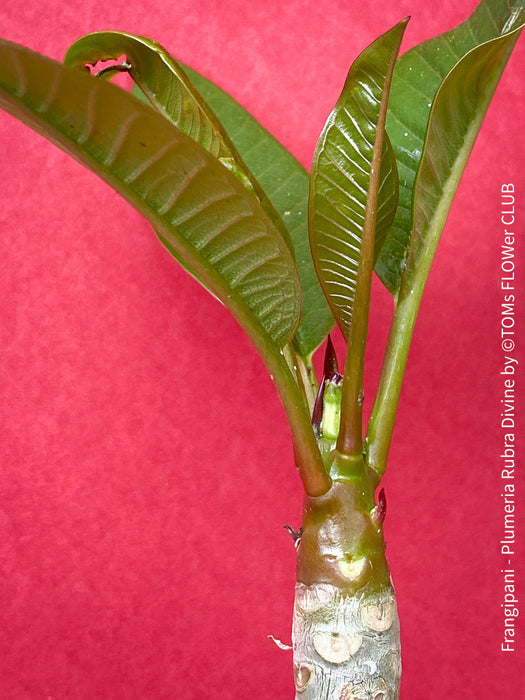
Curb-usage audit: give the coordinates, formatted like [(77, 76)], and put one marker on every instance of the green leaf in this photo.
[(455, 119), (167, 87), (417, 77), (353, 192), (200, 209), (286, 183), (220, 124)]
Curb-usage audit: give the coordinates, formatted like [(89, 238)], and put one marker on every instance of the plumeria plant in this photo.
[(292, 256)]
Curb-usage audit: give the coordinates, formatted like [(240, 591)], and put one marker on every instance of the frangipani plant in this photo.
[(212, 214)]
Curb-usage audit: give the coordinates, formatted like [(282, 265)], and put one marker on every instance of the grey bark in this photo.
[(346, 647)]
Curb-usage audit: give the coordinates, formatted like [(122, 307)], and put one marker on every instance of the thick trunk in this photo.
[(345, 626), (345, 647)]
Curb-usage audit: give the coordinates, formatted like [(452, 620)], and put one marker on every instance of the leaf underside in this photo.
[(202, 211), (167, 87), (216, 121), (417, 77), (286, 183)]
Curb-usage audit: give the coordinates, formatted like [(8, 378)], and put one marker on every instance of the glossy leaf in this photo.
[(220, 124), (417, 77), (353, 193), (200, 209)]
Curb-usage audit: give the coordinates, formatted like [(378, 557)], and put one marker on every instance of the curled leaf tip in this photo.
[(123, 67)]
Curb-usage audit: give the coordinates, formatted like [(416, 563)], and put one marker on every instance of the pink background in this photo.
[(146, 470)]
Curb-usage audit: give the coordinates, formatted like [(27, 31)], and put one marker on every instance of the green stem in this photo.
[(381, 424), (425, 238), (382, 419)]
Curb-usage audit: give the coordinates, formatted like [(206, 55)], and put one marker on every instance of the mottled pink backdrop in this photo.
[(146, 470)]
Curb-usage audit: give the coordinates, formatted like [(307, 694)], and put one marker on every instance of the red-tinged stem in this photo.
[(308, 461), (350, 440)]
